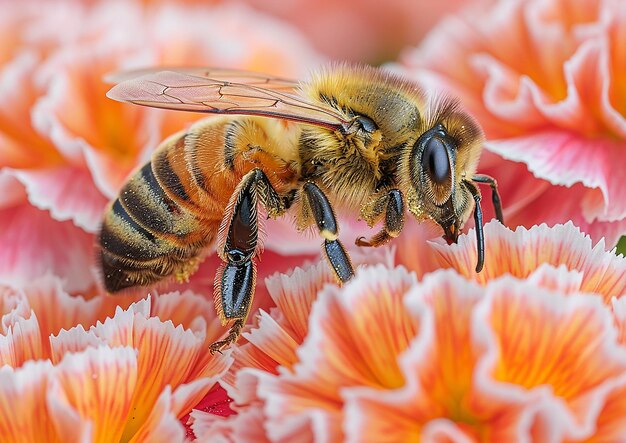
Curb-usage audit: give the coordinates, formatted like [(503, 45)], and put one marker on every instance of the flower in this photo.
[(362, 31), (531, 350), (544, 78), (349, 30), (76, 369)]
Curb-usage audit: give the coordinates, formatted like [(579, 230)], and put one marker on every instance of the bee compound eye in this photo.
[(435, 160)]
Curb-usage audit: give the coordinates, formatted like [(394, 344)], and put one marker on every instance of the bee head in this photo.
[(443, 156)]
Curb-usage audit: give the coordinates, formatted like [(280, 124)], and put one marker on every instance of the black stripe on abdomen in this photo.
[(146, 202)]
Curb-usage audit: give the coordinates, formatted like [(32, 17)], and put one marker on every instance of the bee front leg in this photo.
[(392, 205), (478, 225), (495, 195), (236, 278), (316, 203)]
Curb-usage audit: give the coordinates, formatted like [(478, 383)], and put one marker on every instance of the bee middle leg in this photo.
[(235, 279), (391, 205), (316, 204)]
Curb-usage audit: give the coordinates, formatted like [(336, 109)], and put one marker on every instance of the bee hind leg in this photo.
[(236, 277), (234, 287), (316, 203), (391, 205)]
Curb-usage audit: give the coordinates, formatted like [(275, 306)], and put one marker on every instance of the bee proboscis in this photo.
[(357, 137)]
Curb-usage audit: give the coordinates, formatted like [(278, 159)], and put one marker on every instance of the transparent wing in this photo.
[(212, 74), (224, 92)]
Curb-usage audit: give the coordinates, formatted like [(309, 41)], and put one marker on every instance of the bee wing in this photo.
[(213, 74), (224, 92)]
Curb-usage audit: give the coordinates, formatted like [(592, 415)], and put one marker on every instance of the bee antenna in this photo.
[(478, 222)]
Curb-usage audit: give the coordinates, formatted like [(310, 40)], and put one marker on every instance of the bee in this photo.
[(353, 137)]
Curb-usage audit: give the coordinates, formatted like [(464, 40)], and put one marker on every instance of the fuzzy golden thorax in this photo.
[(355, 162), (384, 145)]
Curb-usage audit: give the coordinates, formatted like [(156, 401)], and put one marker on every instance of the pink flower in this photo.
[(349, 30), (362, 30), (535, 355), (65, 149), (545, 80), (75, 369)]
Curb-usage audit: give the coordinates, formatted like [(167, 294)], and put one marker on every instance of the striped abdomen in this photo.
[(170, 210)]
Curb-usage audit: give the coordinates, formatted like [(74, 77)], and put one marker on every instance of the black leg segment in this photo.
[(495, 195), (237, 288), (317, 203), (339, 260), (322, 211), (478, 222)]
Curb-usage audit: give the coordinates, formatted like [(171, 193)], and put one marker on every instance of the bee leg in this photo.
[(478, 222), (235, 279), (392, 205), (317, 203), (495, 195)]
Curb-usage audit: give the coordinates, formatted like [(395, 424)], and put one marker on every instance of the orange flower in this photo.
[(529, 356), (103, 376), (545, 80)]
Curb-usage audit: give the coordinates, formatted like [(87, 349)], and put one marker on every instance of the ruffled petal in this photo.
[(98, 384), (364, 327), (34, 245), (574, 352), (522, 251), (23, 414), (67, 192)]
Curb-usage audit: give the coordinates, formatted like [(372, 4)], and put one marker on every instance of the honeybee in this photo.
[(355, 137)]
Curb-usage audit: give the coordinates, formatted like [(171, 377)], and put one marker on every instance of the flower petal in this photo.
[(543, 338), (364, 328), (565, 158), (438, 368), (246, 426), (522, 251), (67, 192), (161, 425), (34, 245), (21, 342), (23, 414), (99, 384)]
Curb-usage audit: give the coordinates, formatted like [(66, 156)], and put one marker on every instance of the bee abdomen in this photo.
[(146, 236), (148, 204), (120, 273)]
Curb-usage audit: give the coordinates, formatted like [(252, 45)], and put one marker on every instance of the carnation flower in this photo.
[(83, 370), (533, 355), (545, 80)]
